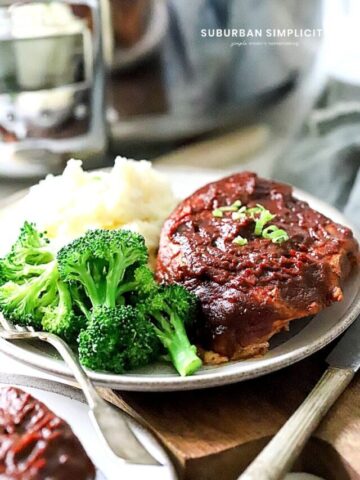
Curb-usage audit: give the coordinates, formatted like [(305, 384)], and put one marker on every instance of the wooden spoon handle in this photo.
[(278, 456)]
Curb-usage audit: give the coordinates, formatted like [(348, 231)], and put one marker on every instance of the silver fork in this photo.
[(111, 425)]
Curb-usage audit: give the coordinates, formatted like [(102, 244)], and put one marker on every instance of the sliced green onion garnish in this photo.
[(254, 210), (269, 230), (275, 234), (261, 217), (264, 217), (231, 208), (239, 240), (240, 214), (280, 236), (217, 213)]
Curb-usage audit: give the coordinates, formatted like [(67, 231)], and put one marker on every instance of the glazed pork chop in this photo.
[(35, 444), (251, 287)]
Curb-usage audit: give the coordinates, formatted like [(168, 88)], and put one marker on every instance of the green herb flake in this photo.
[(261, 216), (231, 208), (253, 211), (241, 241), (240, 214), (275, 234), (217, 213)]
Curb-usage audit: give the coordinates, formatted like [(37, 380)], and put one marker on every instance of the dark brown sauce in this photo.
[(35, 444)]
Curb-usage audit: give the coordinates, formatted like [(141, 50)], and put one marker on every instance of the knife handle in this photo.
[(278, 456)]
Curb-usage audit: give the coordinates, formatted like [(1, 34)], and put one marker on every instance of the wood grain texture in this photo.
[(278, 456), (214, 434)]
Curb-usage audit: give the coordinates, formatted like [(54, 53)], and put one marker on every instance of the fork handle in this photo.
[(278, 456), (91, 395), (111, 424)]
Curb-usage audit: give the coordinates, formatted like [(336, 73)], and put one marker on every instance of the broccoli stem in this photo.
[(175, 340), (186, 360), (65, 302), (91, 289), (46, 282), (52, 286), (114, 277), (59, 310), (76, 297)]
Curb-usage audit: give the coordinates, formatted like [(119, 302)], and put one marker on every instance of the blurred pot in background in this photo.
[(169, 82), (130, 19), (192, 82)]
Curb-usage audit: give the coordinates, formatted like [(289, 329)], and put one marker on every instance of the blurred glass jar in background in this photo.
[(51, 86)]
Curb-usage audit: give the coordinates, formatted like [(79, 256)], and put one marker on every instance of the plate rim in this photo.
[(157, 383)]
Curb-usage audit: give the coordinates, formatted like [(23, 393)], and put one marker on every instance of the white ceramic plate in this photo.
[(305, 336)]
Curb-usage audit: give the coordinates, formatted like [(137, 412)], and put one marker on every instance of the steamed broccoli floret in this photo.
[(101, 261), (32, 246), (23, 302), (171, 308), (118, 339), (59, 317), (141, 284), (84, 294), (31, 292), (27, 256)]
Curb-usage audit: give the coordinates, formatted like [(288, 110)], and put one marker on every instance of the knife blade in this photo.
[(346, 354)]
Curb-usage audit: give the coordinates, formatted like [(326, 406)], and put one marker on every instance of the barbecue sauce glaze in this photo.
[(35, 444), (247, 293)]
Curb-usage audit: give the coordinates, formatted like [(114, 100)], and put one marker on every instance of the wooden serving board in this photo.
[(214, 434)]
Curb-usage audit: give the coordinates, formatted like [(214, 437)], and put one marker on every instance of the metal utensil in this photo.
[(278, 456), (111, 425)]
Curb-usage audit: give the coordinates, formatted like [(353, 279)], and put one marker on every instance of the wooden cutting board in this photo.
[(214, 434)]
